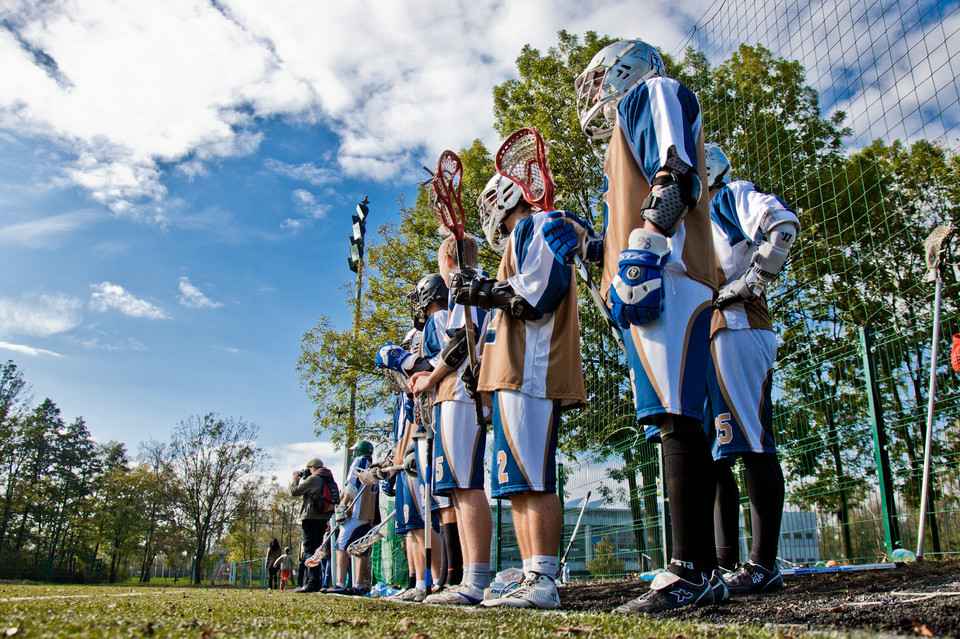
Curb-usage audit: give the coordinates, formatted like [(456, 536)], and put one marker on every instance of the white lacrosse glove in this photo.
[(368, 477), (340, 514)]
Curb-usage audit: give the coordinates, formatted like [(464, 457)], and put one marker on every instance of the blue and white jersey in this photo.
[(451, 387), (539, 358), (360, 509), (738, 215), (434, 337), (656, 116)]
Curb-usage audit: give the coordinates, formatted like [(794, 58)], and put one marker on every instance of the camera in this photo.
[(303, 473)]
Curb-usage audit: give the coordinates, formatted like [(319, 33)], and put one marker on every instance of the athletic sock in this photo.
[(764, 478), (477, 575), (726, 516), (527, 565), (421, 584), (451, 542), (411, 580), (441, 578), (691, 487), (545, 565)]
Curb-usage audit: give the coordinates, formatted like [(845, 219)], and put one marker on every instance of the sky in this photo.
[(177, 180)]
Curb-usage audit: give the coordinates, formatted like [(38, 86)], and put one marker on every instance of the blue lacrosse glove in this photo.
[(636, 293), (393, 357), (566, 233)]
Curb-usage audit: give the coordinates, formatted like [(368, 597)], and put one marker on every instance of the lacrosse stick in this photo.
[(937, 247), (449, 210), (366, 542), (573, 536), (322, 552), (425, 422), (523, 159)]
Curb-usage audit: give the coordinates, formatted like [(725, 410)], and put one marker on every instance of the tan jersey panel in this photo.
[(504, 359), (627, 189)]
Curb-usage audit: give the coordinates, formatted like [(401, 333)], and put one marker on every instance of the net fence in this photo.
[(849, 111)]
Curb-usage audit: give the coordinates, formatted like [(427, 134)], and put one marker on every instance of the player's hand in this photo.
[(340, 514), (393, 357), (636, 293), (747, 287), (566, 234), (469, 288), (367, 477), (410, 459), (420, 382), (470, 377)]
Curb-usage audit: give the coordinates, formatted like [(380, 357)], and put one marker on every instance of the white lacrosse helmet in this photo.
[(496, 202), (615, 70), (718, 166)]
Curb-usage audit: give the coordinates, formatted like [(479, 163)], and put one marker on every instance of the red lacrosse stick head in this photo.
[(446, 187), (523, 159)]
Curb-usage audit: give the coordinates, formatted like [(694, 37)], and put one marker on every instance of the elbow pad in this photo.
[(680, 191), (772, 254), (455, 351)]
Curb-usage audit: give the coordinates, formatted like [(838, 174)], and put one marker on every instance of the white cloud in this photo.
[(192, 297), (107, 296), (129, 89), (39, 314), (27, 350), (49, 231)]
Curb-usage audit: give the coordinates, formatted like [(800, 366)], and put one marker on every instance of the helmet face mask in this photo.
[(718, 166), (496, 202), (613, 72)]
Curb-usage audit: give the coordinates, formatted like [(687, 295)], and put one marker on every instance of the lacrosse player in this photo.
[(533, 368), (659, 280), (430, 299), (358, 511), (752, 234), (461, 442)]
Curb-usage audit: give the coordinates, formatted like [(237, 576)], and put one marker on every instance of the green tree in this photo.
[(605, 562), (210, 458)]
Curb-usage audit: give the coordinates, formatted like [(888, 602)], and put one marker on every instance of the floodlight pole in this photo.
[(355, 262)]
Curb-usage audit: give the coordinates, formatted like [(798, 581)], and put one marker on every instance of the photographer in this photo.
[(315, 512)]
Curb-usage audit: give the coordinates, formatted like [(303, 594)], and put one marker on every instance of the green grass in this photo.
[(124, 611)]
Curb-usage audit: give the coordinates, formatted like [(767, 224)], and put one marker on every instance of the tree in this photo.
[(210, 458), (605, 562)]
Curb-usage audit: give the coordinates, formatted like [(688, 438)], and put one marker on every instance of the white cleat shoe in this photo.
[(408, 595), (462, 595), (536, 591)]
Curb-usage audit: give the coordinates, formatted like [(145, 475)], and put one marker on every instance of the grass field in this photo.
[(104, 611)]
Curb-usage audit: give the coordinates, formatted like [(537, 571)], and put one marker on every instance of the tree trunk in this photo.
[(639, 534)]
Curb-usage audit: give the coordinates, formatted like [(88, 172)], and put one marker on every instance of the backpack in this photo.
[(328, 497)]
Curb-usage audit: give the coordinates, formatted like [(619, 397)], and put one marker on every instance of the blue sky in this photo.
[(177, 180)]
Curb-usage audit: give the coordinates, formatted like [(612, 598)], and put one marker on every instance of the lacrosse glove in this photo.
[(410, 459), (636, 293), (566, 234)]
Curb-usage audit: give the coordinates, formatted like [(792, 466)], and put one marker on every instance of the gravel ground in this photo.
[(911, 599)]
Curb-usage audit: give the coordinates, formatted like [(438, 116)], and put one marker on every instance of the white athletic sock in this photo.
[(479, 575), (422, 584), (545, 565), (527, 565)]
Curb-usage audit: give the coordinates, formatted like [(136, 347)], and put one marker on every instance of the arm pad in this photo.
[(455, 351)]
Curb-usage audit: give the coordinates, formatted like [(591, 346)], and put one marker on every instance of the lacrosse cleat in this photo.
[(719, 586), (536, 591), (462, 595), (752, 577), (668, 592), (408, 595)]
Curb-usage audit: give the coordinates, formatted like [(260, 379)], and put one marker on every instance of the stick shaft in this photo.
[(573, 536), (928, 441), (471, 337)]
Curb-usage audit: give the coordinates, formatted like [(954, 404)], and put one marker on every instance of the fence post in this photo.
[(888, 507), (499, 536)]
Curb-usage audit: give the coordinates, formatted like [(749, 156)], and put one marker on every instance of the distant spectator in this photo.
[(314, 513), (273, 553), (285, 563)]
